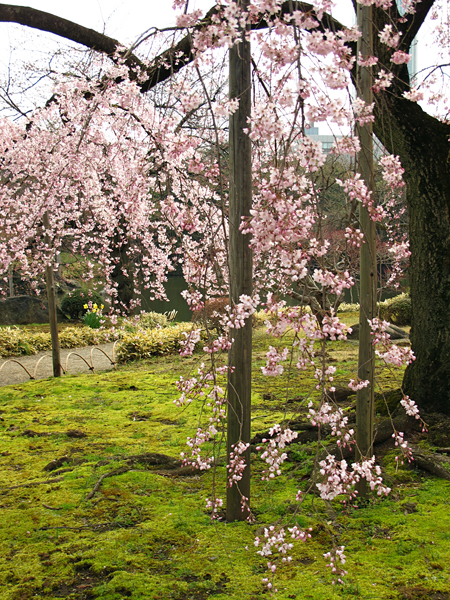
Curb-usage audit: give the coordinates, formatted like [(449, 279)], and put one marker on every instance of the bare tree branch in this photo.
[(165, 65)]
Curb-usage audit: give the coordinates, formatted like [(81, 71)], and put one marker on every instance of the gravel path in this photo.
[(40, 365)]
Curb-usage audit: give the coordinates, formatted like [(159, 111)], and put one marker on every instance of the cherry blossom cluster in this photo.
[(334, 329), (335, 282), (402, 445), (382, 81), (242, 311), (273, 359), (358, 385), (214, 505), (354, 236), (410, 407), (271, 455), (357, 190), (333, 417), (324, 377), (336, 556), (188, 345), (275, 539), (400, 58), (339, 480), (393, 354), (389, 36), (392, 172), (236, 465)]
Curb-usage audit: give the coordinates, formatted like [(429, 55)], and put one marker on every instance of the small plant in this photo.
[(73, 303), (93, 317)]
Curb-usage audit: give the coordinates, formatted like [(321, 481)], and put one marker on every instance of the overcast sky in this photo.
[(126, 19), (123, 20)]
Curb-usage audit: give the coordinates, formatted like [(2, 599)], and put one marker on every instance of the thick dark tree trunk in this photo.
[(421, 142)]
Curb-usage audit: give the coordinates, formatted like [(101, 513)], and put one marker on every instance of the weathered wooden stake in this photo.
[(51, 299), (241, 269), (368, 262)]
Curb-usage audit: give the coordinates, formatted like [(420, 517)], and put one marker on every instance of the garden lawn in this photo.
[(143, 531)]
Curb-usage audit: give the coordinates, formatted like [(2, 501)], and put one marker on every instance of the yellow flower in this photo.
[(94, 306), (85, 306), (102, 306)]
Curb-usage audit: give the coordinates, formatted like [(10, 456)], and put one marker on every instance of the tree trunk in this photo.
[(421, 142), (368, 262), (240, 256), (51, 299)]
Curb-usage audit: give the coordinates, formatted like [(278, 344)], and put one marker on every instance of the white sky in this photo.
[(123, 20), (126, 19)]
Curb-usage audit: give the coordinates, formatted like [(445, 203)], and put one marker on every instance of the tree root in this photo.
[(172, 468), (432, 462)]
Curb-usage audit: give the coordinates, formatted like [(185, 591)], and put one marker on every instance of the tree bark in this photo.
[(422, 143), (241, 272), (51, 299), (366, 357)]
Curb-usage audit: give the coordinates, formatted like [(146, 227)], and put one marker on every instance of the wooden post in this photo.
[(241, 269), (51, 299), (368, 262)]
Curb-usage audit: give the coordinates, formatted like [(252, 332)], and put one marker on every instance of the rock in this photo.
[(24, 310), (395, 332)]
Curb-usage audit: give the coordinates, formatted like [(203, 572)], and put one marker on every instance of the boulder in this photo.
[(395, 332), (24, 310)]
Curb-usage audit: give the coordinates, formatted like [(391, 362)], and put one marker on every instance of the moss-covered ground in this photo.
[(145, 533)]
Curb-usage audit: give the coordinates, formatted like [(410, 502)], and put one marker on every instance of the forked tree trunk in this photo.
[(240, 256), (51, 299), (366, 357)]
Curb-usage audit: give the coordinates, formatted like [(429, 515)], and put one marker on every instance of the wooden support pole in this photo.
[(241, 269), (368, 262), (51, 299)]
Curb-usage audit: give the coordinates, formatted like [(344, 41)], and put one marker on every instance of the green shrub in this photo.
[(149, 320), (17, 342), (152, 342), (73, 303), (77, 337), (344, 307), (13, 344), (396, 310)]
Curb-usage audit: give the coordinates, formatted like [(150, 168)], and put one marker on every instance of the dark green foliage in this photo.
[(397, 310), (72, 304)]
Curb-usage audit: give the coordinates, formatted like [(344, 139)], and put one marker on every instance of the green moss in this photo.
[(147, 535)]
